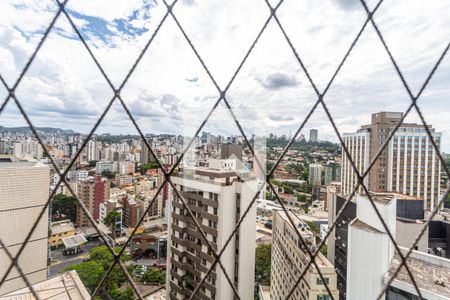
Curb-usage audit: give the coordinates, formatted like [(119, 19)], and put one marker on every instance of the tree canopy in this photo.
[(65, 205), (150, 165), (108, 174), (154, 276), (92, 270), (262, 264)]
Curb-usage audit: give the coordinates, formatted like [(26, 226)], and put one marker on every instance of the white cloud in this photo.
[(63, 84)]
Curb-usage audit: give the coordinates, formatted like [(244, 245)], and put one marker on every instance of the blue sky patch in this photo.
[(101, 29)]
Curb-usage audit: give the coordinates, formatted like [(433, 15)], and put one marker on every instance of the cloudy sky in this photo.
[(170, 92)]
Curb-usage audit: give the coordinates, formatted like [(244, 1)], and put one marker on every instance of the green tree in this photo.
[(150, 165), (110, 220), (92, 163), (65, 205), (90, 273), (128, 294), (101, 254), (262, 264), (108, 174), (301, 198), (314, 227), (154, 276)]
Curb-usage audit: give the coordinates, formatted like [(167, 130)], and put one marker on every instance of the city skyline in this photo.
[(170, 90)]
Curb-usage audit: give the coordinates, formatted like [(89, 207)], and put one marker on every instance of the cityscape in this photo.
[(190, 149), (218, 181)]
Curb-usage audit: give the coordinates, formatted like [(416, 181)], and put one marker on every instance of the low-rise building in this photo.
[(59, 230)]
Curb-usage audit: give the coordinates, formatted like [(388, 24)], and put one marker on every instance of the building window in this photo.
[(323, 297), (320, 281)]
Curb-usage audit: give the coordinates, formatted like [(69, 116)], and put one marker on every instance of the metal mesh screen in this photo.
[(222, 98)]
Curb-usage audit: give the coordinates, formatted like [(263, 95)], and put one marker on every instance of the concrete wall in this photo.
[(407, 232), (24, 189), (368, 259)]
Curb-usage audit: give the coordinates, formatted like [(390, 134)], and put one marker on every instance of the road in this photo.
[(60, 262)]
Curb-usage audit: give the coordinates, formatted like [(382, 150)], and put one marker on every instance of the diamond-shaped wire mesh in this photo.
[(222, 98)]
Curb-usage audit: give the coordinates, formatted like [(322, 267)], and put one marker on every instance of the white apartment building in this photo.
[(30, 147), (77, 175), (409, 165), (24, 190), (126, 167), (289, 258), (218, 198), (93, 150), (104, 166)]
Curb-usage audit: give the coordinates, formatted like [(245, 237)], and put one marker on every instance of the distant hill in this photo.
[(26, 129)]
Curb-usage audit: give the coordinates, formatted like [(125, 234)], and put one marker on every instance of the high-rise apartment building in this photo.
[(289, 257), (409, 165), (93, 150), (315, 174), (313, 135), (24, 190), (146, 155), (218, 198), (91, 192)]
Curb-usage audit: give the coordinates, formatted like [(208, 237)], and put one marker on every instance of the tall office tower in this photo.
[(218, 198), (332, 173), (146, 155), (24, 190), (313, 135), (409, 164), (289, 257), (315, 174), (91, 192)]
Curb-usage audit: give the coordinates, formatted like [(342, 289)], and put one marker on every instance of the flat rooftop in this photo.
[(431, 273), (60, 287)]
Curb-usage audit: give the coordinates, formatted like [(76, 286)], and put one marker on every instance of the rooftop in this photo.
[(61, 226), (364, 226), (432, 273), (60, 287)]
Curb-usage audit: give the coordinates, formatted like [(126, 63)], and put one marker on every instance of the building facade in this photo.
[(60, 230), (332, 173), (91, 192), (218, 198), (315, 174), (409, 165), (24, 190), (313, 135), (289, 257)]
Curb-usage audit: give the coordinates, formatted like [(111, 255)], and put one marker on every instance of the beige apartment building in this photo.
[(24, 190), (289, 259), (408, 165), (218, 196)]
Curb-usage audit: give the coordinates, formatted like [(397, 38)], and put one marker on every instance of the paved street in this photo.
[(59, 261)]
